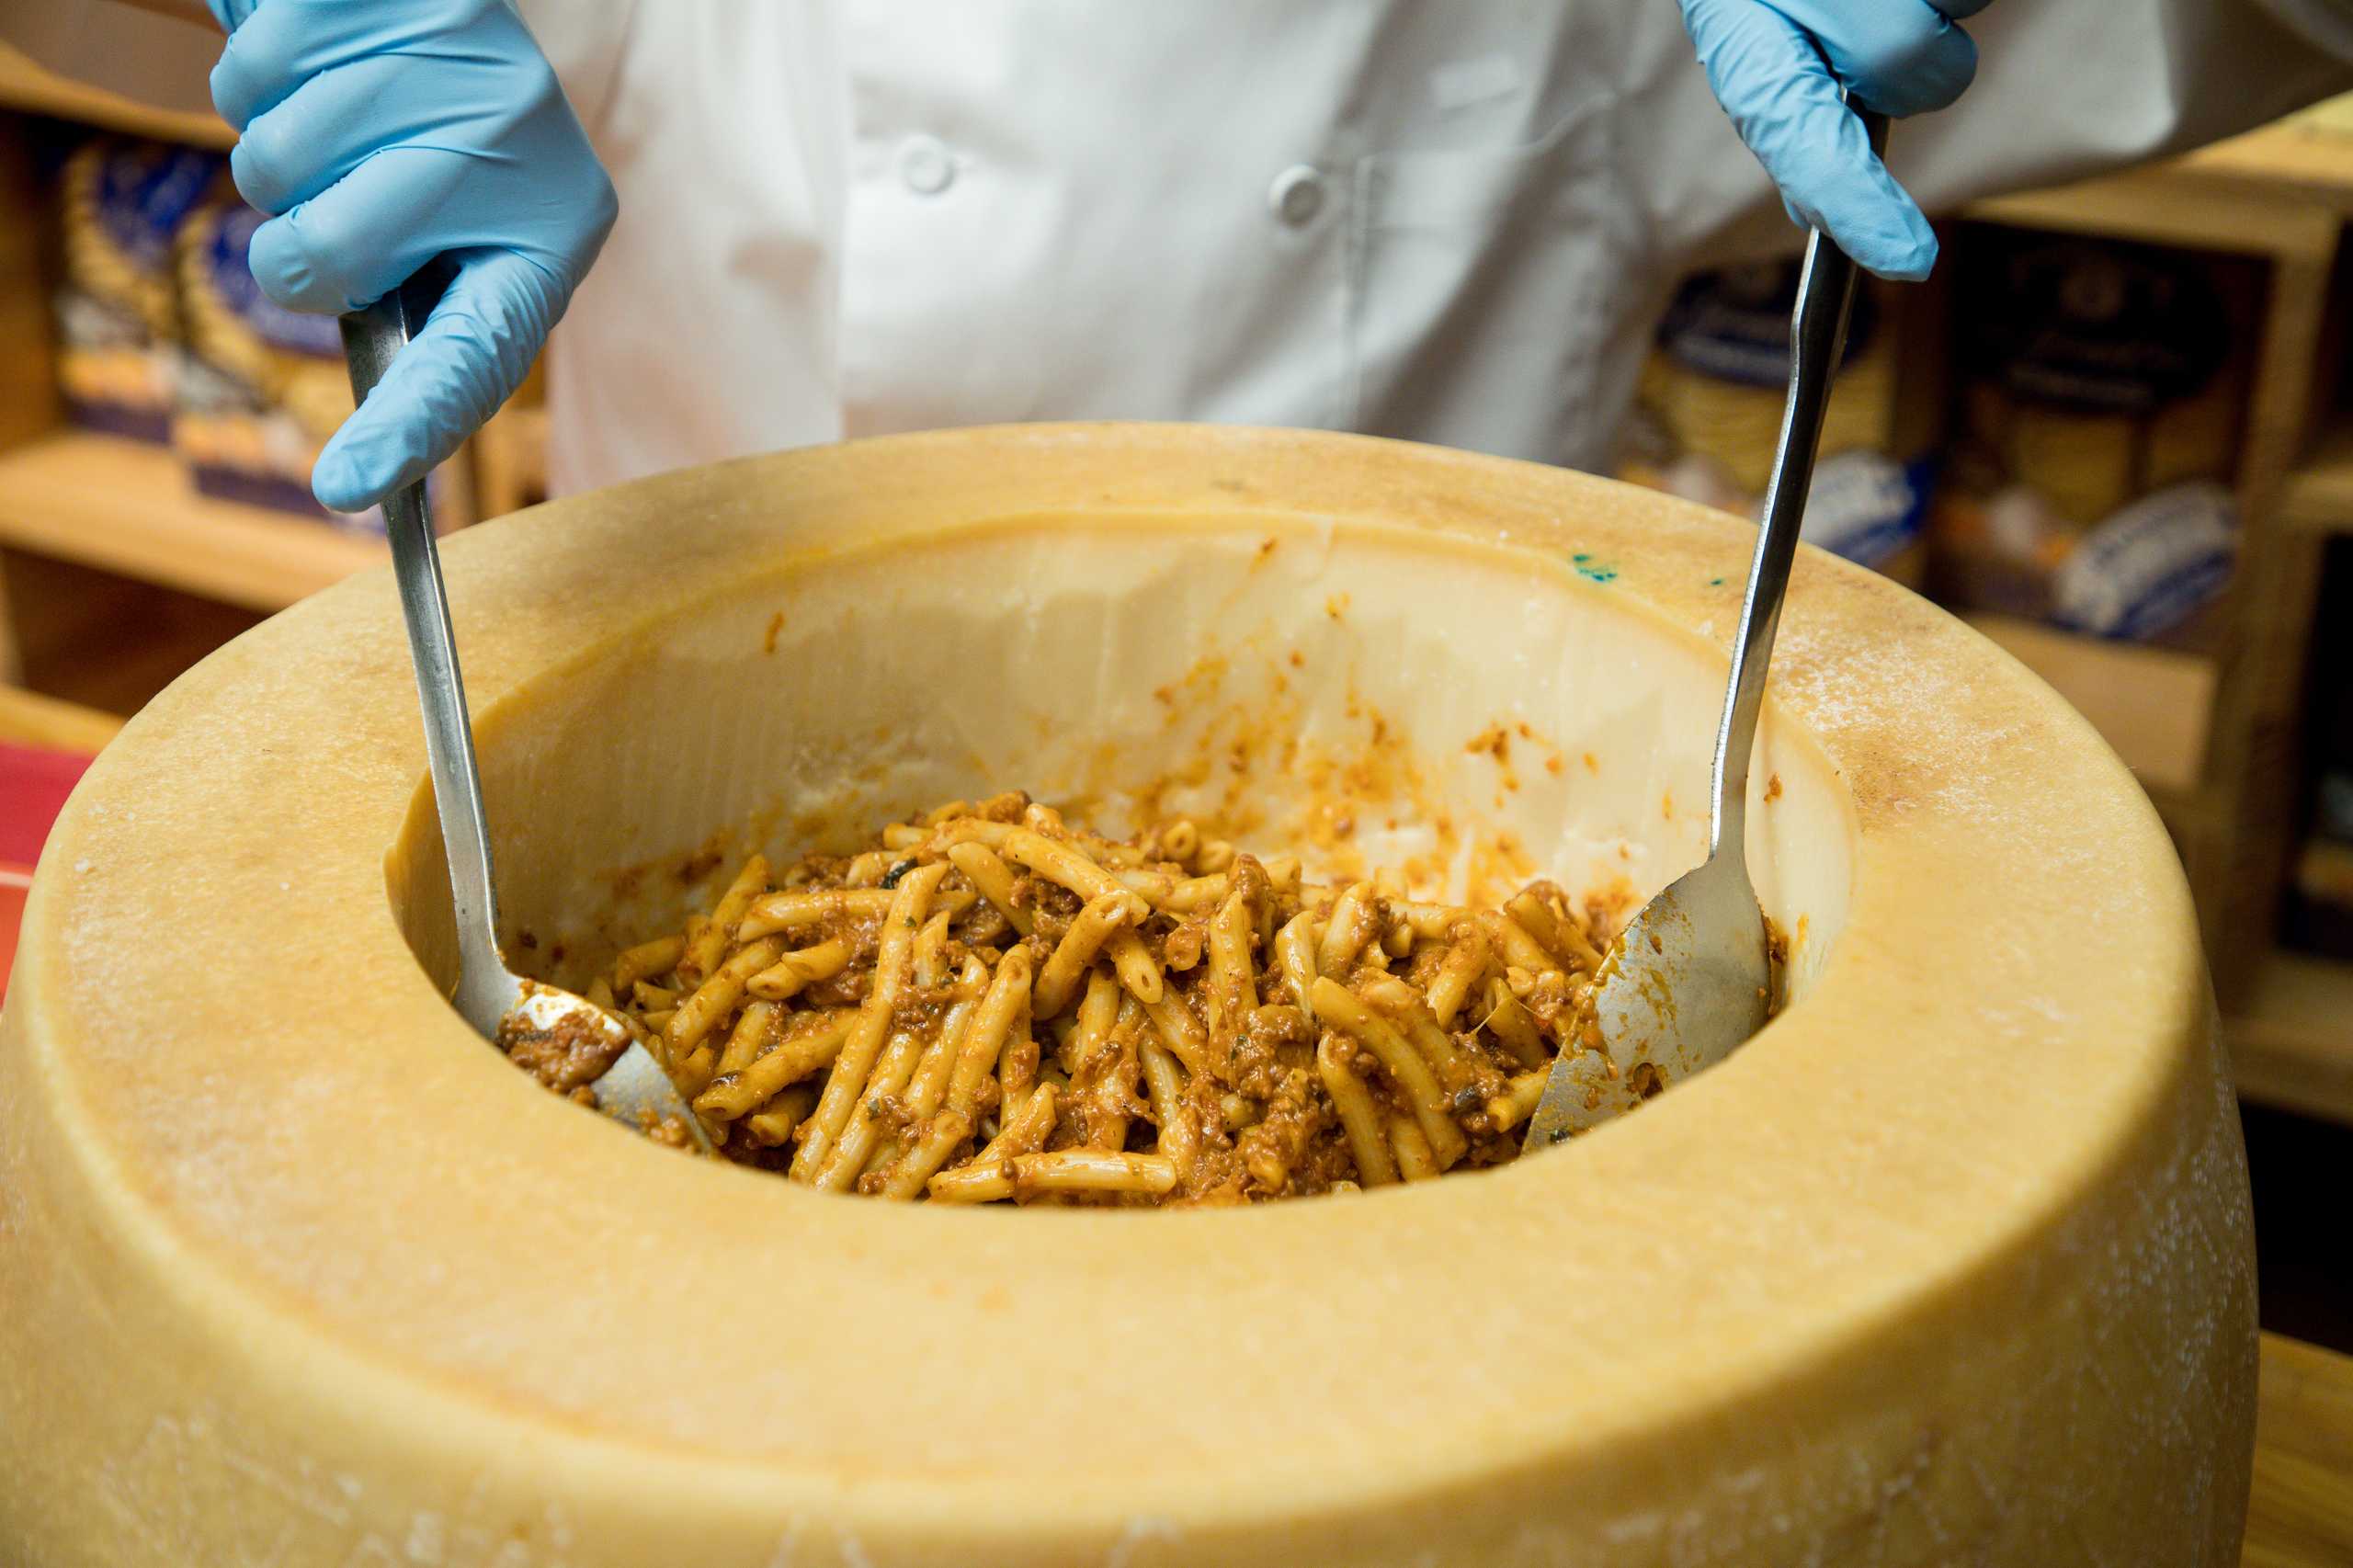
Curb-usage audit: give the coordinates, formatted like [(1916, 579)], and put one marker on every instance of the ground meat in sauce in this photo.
[(566, 1058)]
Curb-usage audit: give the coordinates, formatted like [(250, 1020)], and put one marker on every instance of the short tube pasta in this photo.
[(990, 1004)]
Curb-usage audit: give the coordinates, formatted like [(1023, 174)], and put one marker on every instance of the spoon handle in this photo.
[(371, 337), (1817, 338)]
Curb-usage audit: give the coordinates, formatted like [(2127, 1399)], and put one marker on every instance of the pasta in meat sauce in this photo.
[(992, 1004)]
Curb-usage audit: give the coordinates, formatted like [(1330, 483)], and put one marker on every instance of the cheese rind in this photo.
[(1952, 1264)]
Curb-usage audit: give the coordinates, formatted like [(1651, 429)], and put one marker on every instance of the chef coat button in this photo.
[(927, 166), (1297, 195)]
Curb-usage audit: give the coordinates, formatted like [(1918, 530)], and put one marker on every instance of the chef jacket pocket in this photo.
[(1484, 286)]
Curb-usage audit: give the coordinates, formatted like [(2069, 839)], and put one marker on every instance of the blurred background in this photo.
[(2115, 433)]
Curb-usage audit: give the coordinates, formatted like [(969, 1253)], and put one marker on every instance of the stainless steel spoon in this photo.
[(1690, 979), (504, 1008)]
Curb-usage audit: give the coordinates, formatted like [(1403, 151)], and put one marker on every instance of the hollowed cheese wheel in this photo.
[(1952, 1264)]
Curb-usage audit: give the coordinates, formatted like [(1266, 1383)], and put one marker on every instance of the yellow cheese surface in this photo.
[(1952, 1264)]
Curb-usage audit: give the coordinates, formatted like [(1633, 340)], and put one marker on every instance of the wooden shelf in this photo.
[(27, 718), (2159, 206), (2291, 1044), (25, 86), (2319, 494), (2225, 197), (128, 508), (2311, 154), (2324, 872), (2299, 1514), (2152, 705)]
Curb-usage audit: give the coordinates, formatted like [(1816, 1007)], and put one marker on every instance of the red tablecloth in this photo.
[(33, 787)]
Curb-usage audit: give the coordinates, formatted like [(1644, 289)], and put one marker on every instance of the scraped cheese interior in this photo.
[(1952, 1263), (1372, 696)]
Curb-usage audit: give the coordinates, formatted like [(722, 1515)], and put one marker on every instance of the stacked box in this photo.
[(165, 336), (261, 387), (119, 325)]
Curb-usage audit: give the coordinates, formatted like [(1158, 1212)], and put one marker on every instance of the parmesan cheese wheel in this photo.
[(1951, 1264)]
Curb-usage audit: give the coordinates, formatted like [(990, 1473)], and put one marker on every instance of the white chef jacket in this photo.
[(1454, 222)]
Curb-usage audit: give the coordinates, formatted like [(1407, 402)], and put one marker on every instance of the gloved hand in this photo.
[(1776, 66), (383, 134)]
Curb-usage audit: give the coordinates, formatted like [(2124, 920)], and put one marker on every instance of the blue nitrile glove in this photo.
[(1776, 66), (383, 134)]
